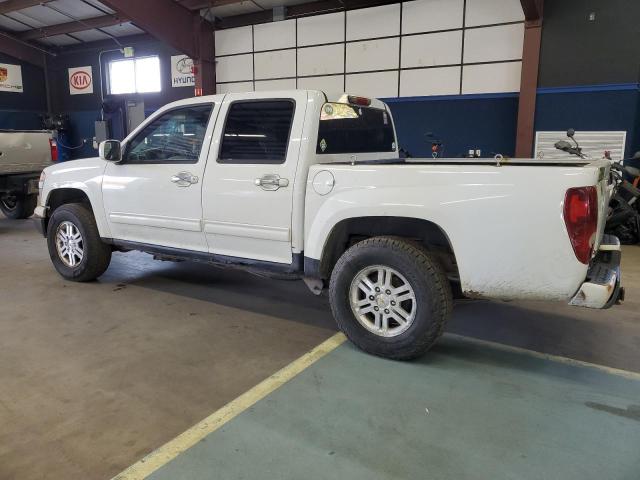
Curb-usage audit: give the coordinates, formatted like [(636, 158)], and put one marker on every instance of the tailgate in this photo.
[(24, 151), (605, 190)]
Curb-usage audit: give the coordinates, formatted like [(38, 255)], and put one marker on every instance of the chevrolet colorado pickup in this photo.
[(23, 155), (296, 185)]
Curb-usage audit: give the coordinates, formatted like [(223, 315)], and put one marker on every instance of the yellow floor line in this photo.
[(169, 451), (548, 356)]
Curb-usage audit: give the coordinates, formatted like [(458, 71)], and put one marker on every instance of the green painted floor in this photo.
[(465, 411)]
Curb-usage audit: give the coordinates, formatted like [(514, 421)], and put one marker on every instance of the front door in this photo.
[(154, 196), (248, 188)]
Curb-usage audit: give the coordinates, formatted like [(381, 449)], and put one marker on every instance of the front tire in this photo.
[(390, 297), (18, 207), (75, 247)]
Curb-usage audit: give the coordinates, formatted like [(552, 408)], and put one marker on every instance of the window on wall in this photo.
[(134, 75), (257, 132)]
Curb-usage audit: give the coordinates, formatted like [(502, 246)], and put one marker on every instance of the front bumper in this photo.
[(602, 287), (40, 220)]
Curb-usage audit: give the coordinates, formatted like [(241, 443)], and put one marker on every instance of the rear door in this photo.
[(248, 186)]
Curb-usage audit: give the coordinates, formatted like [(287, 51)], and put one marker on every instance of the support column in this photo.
[(204, 66), (528, 87), (532, 10)]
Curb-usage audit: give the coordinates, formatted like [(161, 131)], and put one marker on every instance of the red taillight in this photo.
[(53, 145), (363, 101), (581, 218)]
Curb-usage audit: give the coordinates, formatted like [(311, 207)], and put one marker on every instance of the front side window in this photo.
[(134, 75), (257, 132), (174, 137), (354, 129)]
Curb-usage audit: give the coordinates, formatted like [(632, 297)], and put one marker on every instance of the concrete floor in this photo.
[(465, 411), (94, 376)]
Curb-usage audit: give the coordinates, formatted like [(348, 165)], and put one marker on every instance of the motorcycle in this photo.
[(623, 219)]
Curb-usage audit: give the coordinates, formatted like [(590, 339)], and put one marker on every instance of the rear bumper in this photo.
[(602, 287)]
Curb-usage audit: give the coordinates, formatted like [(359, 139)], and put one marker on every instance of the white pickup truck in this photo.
[(23, 155), (297, 185)]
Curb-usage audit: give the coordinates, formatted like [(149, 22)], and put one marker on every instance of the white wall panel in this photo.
[(281, 63), (321, 60), (373, 55), (234, 87), (430, 81), (321, 29), (331, 84), (321, 66), (234, 40), (432, 49), (493, 43), (428, 15), (487, 12), (379, 84), (269, 36), (233, 69), (491, 78), (283, 84), (373, 22)]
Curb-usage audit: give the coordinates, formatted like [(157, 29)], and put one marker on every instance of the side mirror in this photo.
[(110, 151), (571, 132)]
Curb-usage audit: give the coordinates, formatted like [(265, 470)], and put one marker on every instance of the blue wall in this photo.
[(19, 119), (21, 111), (83, 110), (488, 122), (599, 107), (461, 123)]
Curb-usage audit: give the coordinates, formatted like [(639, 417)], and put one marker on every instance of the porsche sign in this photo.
[(10, 78)]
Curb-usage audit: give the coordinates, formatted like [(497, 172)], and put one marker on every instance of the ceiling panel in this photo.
[(74, 8), (44, 15), (235, 9), (269, 4), (19, 16), (100, 6), (91, 35), (60, 40), (123, 29), (7, 23)]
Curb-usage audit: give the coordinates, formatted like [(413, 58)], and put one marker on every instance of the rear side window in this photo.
[(257, 132), (354, 129)]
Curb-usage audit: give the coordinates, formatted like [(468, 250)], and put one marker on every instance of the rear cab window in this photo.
[(346, 128), (257, 132)]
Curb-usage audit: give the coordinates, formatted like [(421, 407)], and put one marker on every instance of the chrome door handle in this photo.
[(184, 179), (271, 182)]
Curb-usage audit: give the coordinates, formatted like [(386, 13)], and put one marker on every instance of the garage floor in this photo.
[(95, 376)]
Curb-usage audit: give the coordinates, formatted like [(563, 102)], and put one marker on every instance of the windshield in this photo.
[(354, 129)]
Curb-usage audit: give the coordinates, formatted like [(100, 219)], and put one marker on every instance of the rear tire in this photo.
[(390, 297), (75, 247), (19, 206)]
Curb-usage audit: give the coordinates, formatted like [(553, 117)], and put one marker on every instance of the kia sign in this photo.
[(80, 80), (182, 71)]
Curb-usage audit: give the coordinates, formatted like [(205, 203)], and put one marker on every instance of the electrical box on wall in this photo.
[(135, 114), (102, 131)]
